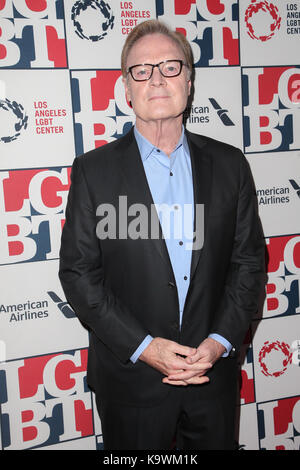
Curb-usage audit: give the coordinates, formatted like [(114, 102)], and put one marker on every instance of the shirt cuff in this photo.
[(223, 341), (141, 348)]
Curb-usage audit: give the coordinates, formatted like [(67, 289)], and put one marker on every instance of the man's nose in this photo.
[(157, 78)]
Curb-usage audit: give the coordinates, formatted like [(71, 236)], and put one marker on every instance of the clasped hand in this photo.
[(182, 365)]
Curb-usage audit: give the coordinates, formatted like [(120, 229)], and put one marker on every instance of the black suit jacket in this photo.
[(124, 289)]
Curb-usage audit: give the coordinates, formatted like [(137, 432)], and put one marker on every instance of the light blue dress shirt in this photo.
[(171, 185)]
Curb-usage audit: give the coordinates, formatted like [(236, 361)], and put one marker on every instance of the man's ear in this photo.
[(189, 86), (127, 92), (189, 79)]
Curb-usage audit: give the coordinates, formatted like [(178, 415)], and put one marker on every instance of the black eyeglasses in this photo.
[(168, 68)]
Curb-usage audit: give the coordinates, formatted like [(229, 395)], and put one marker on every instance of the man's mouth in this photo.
[(158, 97)]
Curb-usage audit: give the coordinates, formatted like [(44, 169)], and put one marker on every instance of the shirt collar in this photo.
[(146, 148)]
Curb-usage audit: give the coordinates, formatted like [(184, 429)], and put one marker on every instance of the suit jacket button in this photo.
[(233, 353)]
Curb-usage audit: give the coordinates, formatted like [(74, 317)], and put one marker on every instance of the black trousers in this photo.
[(184, 420)]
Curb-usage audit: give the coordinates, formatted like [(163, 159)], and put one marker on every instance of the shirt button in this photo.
[(171, 174), (185, 278), (180, 243)]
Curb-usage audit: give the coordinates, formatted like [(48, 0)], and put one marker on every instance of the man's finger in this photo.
[(174, 382), (183, 350), (178, 362), (194, 357), (197, 380), (190, 370)]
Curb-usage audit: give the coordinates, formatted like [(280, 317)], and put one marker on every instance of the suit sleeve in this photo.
[(82, 277), (246, 275)]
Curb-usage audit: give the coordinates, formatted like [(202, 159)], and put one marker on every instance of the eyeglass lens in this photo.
[(169, 68)]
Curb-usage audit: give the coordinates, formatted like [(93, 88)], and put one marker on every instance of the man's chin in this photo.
[(161, 115)]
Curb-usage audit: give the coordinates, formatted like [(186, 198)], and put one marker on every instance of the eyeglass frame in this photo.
[(129, 70)]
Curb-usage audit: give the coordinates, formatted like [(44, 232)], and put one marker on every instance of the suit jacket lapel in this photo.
[(137, 185), (202, 182)]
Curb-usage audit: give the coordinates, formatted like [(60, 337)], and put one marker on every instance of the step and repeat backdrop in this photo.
[(61, 95)]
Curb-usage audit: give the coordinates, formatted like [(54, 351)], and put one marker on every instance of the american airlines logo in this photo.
[(222, 113), (295, 186), (63, 306)]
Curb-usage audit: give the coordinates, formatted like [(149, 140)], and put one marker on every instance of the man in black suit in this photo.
[(166, 317)]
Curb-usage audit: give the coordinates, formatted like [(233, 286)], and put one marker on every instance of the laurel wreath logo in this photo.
[(21, 119), (277, 346), (268, 8), (97, 6)]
